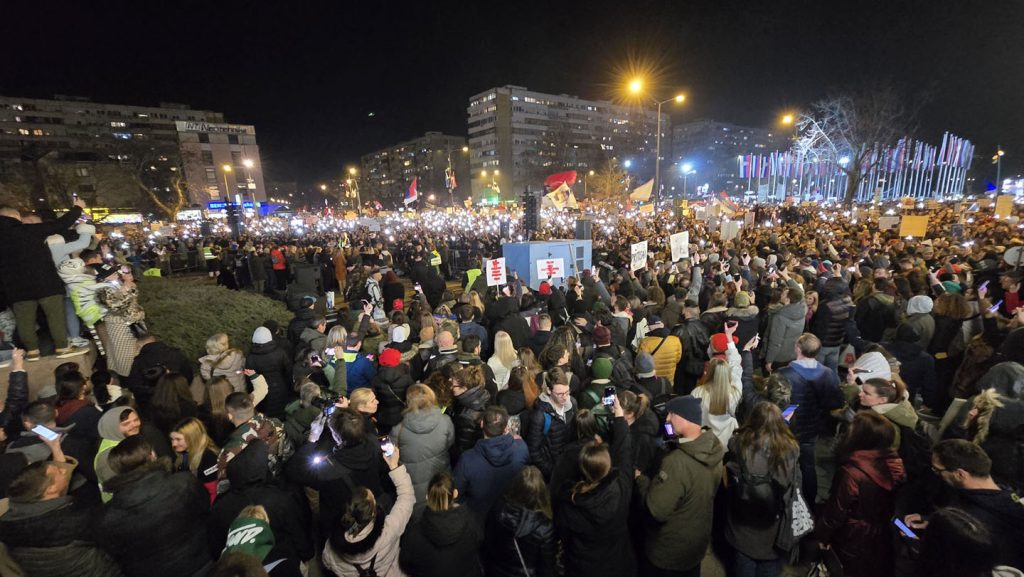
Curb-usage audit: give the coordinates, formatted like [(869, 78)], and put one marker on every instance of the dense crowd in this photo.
[(815, 390)]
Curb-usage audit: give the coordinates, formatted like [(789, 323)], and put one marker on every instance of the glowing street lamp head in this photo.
[(226, 167), (636, 86), (591, 173), (787, 119), (687, 167), (465, 149), (680, 98), (844, 160), (628, 163), (352, 171), (248, 163), (323, 187)]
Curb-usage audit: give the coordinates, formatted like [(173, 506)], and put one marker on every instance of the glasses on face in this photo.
[(560, 395)]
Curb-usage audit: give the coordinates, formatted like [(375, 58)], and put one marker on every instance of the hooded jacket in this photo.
[(679, 500), (594, 525), (816, 390), (785, 327), (25, 250), (919, 316), (424, 438), (273, 363), (856, 519), (251, 485), (299, 323), (875, 314), (155, 525), (485, 471), (834, 310), (110, 437), (546, 447), (666, 359), (510, 526), (504, 314), (441, 544), (384, 552), (227, 365)]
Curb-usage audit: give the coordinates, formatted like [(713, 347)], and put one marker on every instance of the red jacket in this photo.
[(277, 259), (857, 518)]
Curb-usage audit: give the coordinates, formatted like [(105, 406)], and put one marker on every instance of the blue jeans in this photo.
[(71, 319), (747, 567), (829, 356)]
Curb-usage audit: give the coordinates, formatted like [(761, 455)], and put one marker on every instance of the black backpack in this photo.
[(756, 499), (915, 451)]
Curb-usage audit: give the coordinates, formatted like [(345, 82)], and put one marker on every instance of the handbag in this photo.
[(797, 520), (138, 329)]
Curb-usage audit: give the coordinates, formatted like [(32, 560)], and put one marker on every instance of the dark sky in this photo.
[(309, 74)]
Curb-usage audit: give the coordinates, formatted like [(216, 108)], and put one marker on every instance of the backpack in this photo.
[(600, 411), (369, 571), (916, 451), (756, 499)]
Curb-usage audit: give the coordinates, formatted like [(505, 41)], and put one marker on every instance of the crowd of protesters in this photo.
[(814, 390)]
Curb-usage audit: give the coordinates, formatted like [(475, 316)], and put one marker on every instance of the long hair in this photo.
[(634, 404), (869, 431), (505, 350), (197, 441), (766, 429), (440, 492), (951, 305), (442, 387), (521, 379), (216, 392), (595, 462), (718, 385), (419, 397), (529, 491), (528, 359), (165, 407)]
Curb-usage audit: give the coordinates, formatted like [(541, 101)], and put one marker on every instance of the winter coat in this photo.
[(228, 365), (917, 368), (25, 251), (874, 315), (251, 485), (273, 364), (442, 544), (1002, 513), (695, 340), (680, 500), (469, 409), (513, 531), (390, 385), (748, 320), (755, 537), (501, 372), (391, 292), (359, 371), (856, 519), (785, 327), (545, 448), (485, 471), (345, 551), (594, 525), (313, 340), (300, 322), (919, 316), (472, 328), (151, 355), (424, 439), (667, 356), (816, 390), (56, 537), (829, 323), (505, 316), (155, 525)]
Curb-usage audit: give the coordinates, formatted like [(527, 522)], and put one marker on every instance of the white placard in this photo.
[(638, 256), (495, 271), (730, 229), (551, 268), (888, 222), (680, 243)]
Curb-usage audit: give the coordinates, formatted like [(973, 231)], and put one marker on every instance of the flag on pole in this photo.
[(449, 178), (411, 195), (557, 198), (642, 193)]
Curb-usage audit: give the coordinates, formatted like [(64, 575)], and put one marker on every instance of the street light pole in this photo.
[(226, 168), (999, 169), (657, 155)]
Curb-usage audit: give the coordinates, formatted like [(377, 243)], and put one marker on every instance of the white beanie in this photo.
[(262, 336)]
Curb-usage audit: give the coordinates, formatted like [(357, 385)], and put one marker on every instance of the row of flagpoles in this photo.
[(910, 168)]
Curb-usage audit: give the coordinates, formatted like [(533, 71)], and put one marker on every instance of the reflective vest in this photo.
[(471, 276), (435, 258)]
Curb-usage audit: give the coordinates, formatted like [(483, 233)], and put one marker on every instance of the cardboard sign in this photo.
[(495, 271), (888, 222), (680, 243), (908, 203), (914, 226), (1004, 205), (551, 268), (730, 229), (638, 256)]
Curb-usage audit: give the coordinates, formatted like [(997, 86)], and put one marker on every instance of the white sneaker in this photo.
[(80, 342)]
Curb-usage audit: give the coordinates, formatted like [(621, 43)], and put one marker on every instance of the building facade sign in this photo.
[(213, 127)]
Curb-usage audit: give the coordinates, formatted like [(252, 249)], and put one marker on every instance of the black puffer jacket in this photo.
[(390, 386), (546, 448), (155, 525), (56, 538), (747, 320), (594, 525), (504, 315), (250, 485), (299, 323), (441, 544), (273, 363), (469, 408), (510, 525), (829, 323)]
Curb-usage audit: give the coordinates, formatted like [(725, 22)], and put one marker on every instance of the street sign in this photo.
[(551, 268), (495, 271)]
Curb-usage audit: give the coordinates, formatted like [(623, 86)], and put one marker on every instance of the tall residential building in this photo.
[(711, 149), (110, 154), (385, 175), (518, 137)]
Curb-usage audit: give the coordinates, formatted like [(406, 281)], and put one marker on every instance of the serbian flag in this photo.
[(449, 178), (411, 195), (556, 180)]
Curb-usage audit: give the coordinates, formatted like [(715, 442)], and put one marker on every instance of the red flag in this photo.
[(556, 180)]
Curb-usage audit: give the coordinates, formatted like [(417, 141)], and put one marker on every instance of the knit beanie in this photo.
[(262, 336)]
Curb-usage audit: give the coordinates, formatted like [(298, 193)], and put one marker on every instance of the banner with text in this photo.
[(495, 271), (638, 255)]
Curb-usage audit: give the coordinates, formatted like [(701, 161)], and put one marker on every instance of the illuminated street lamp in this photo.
[(636, 86), (227, 193), (590, 173), (997, 159), (687, 169)]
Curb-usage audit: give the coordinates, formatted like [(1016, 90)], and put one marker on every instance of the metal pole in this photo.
[(657, 157), (999, 170)]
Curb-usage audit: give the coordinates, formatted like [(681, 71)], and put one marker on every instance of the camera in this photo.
[(326, 401)]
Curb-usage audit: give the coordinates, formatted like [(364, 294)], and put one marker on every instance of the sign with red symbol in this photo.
[(495, 271), (551, 268)]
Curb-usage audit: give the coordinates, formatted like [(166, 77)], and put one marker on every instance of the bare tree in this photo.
[(609, 183), (849, 131), (158, 171)]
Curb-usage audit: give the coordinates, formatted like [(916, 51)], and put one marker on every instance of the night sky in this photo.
[(309, 75)]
